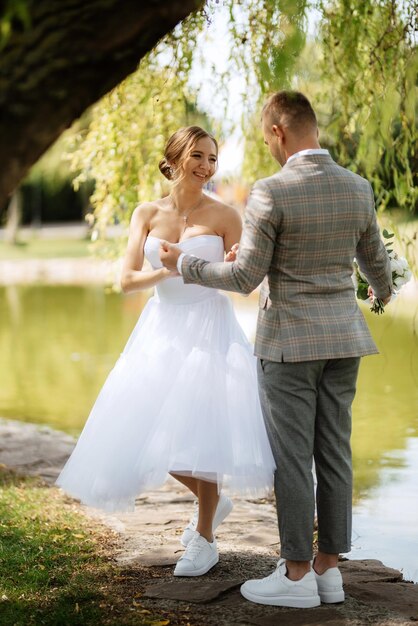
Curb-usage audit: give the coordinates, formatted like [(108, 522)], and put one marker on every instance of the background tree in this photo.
[(369, 68), (129, 127), (360, 72), (121, 148), (361, 76), (14, 217), (58, 58)]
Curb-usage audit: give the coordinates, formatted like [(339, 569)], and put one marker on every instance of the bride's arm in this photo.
[(232, 228), (232, 238), (133, 277)]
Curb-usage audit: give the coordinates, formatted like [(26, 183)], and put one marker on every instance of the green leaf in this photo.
[(362, 291)]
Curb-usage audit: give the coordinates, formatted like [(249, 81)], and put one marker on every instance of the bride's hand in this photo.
[(232, 254), (166, 273)]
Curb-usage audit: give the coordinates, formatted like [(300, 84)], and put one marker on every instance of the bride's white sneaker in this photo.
[(223, 509), (330, 586), (199, 557), (278, 590)]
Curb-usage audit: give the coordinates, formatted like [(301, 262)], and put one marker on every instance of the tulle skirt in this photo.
[(181, 398)]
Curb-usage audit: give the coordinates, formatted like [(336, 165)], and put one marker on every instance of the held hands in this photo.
[(166, 273), (169, 254), (232, 254)]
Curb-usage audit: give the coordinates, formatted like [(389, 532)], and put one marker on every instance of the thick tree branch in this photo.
[(74, 52)]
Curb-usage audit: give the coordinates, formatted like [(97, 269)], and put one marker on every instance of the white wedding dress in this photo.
[(181, 398)]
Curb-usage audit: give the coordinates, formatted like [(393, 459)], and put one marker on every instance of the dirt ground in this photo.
[(147, 547)]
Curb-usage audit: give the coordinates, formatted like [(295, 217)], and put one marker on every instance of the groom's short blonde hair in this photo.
[(290, 109)]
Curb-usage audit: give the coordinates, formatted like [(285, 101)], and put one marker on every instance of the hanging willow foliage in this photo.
[(370, 68), (361, 76), (360, 72), (124, 140)]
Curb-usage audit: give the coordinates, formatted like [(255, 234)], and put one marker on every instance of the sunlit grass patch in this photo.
[(55, 564)]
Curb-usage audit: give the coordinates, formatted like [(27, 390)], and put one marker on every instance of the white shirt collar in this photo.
[(307, 152)]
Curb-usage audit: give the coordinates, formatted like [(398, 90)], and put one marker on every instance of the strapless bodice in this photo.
[(207, 247)]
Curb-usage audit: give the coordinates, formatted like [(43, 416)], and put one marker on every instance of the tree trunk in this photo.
[(14, 217), (74, 52)]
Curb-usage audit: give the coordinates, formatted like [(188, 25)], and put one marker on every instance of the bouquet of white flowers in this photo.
[(401, 274)]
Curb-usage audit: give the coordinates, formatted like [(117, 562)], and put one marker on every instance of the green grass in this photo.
[(55, 563), (45, 249)]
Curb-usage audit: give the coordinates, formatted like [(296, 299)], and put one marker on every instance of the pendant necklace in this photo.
[(187, 215)]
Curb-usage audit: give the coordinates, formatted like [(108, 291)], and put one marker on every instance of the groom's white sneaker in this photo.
[(278, 590), (223, 509), (330, 586), (199, 557)]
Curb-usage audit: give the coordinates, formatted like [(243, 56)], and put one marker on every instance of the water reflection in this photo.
[(385, 522), (386, 406), (57, 345)]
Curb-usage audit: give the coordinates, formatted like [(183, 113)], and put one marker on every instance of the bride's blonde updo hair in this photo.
[(179, 147)]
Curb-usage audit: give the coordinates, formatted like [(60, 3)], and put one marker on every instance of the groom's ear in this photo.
[(277, 130)]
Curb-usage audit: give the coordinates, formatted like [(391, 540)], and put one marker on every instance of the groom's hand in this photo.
[(169, 254), (385, 301), (232, 254)]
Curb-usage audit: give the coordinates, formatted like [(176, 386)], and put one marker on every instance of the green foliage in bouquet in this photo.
[(401, 274), (362, 284)]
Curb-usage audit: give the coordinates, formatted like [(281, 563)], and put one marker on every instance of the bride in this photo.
[(182, 398)]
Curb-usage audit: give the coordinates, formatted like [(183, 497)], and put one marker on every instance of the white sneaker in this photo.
[(223, 509), (278, 590), (199, 557), (330, 586)]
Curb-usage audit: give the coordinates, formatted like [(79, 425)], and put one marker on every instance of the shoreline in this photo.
[(85, 271), (61, 271), (148, 547)]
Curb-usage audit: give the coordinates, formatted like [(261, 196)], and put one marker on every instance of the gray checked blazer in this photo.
[(302, 228)]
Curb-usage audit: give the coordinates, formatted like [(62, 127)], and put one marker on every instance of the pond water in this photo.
[(57, 344)]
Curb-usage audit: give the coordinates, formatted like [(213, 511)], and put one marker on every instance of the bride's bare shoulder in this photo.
[(217, 204), (145, 211), (225, 212)]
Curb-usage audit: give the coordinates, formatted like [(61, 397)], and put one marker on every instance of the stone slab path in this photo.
[(149, 546)]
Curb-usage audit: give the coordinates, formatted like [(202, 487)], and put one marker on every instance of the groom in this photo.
[(303, 226)]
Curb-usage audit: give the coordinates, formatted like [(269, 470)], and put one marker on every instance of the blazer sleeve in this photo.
[(373, 258), (255, 251)]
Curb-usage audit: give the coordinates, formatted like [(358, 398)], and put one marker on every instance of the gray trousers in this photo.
[(307, 411)]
